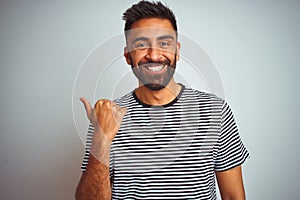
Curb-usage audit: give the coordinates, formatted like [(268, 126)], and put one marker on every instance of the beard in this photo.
[(154, 81)]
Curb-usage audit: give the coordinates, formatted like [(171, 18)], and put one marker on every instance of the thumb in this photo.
[(87, 106)]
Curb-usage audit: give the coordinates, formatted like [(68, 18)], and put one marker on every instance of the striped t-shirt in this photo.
[(172, 151)]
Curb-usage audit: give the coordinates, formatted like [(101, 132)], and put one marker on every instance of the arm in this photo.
[(230, 184), (106, 118), (94, 182)]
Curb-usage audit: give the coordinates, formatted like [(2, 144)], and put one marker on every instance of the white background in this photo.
[(254, 45)]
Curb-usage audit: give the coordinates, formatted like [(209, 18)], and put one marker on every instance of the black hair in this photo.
[(146, 9)]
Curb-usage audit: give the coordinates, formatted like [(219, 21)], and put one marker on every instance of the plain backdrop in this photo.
[(254, 45)]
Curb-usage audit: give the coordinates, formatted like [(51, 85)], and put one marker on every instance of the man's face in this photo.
[(152, 51)]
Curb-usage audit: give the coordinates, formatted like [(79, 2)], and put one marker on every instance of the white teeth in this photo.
[(156, 68)]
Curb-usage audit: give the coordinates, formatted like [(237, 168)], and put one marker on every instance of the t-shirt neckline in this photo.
[(165, 105)]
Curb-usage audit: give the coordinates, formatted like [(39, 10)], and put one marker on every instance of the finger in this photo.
[(118, 112), (87, 106), (123, 110)]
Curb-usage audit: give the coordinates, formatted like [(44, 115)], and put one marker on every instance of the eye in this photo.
[(142, 45), (164, 44)]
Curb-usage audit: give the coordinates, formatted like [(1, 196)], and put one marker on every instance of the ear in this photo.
[(126, 55), (178, 51)]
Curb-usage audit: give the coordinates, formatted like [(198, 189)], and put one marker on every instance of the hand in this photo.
[(106, 116)]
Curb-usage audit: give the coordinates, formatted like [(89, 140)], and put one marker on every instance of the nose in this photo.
[(154, 54)]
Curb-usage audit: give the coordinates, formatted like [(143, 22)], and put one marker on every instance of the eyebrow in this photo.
[(163, 37), (140, 39)]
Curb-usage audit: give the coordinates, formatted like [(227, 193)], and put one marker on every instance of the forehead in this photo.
[(152, 22), (150, 28)]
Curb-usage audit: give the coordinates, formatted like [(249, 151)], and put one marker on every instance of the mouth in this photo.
[(154, 67)]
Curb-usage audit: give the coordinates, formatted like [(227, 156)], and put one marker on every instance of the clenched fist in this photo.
[(109, 117), (106, 117)]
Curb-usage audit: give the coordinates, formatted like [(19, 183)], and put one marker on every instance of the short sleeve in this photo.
[(87, 147), (231, 150)]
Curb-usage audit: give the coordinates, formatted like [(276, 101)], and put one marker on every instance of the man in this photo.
[(163, 140)]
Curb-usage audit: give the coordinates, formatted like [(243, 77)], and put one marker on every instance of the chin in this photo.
[(154, 86)]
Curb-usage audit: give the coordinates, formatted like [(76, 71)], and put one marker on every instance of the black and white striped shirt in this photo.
[(172, 151)]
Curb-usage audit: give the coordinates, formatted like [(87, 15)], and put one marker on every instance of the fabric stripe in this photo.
[(172, 151)]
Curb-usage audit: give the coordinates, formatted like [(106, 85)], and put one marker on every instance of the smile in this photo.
[(155, 68)]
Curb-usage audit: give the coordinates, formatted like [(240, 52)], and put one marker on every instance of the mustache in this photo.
[(153, 63)]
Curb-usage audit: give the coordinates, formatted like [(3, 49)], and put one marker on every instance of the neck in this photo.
[(158, 97)]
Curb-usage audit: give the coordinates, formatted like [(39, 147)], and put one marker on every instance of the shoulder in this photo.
[(201, 96), (125, 100)]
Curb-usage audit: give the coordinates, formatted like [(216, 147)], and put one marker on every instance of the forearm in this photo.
[(106, 118), (94, 182)]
